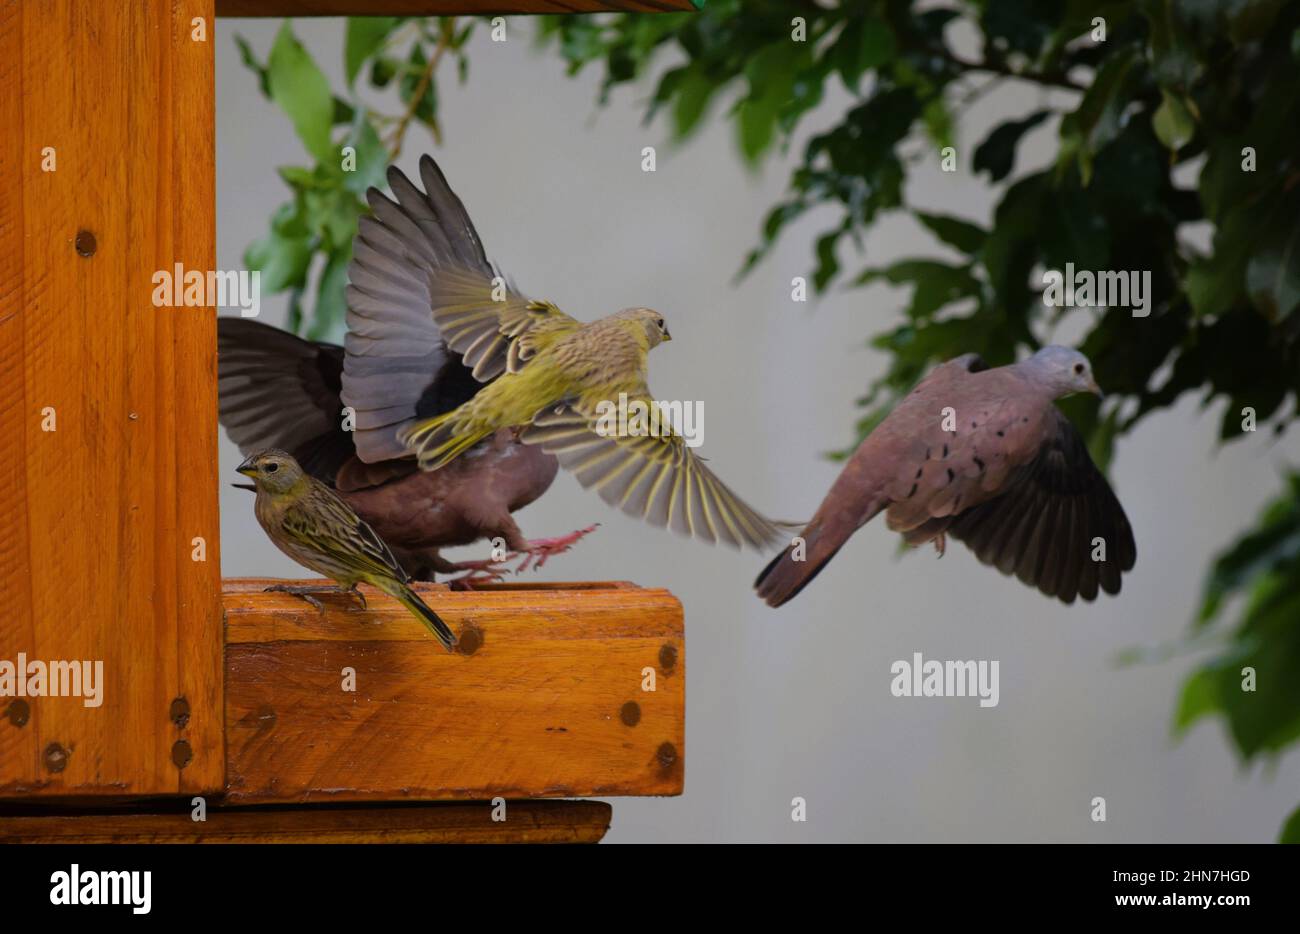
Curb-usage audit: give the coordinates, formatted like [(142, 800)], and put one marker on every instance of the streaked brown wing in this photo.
[(325, 524)]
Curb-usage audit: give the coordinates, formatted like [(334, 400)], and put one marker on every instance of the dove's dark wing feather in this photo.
[(1045, 525), (404, 256), (276, 390)]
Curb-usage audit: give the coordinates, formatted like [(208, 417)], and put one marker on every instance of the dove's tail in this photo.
[(793, 569)]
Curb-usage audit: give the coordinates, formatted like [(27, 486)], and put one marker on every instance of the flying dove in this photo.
[(982, 455), (423, 286)]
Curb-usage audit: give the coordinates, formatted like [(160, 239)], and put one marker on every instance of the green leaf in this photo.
[(426, 109), (693, 95), (938, 122), (1291, 829), (331, 305), (957, 233), (372, 159), (936, 284), (997, 154), (250, 61), (771, 76), (1020, 25), (1273, 271), (862, 45), (365, 36), (1271, 546), (1173, 57), (283, 255), (1199, 698), (1172, 122), (1099, 117), (300, 89)]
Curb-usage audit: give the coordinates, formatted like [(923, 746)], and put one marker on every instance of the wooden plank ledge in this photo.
[(545, 698), (525, 822)]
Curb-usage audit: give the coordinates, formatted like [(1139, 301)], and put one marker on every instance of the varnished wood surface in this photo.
[(97, 517), (524, 822), (545, 700)]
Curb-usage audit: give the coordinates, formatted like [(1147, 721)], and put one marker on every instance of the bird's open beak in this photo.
[(247, 468)]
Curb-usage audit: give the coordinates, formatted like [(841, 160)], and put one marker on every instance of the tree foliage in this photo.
[(1170, 118), (1184, 114)]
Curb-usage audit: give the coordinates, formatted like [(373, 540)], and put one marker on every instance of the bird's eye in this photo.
[(272, 467), (1078, 369), (660, 324)]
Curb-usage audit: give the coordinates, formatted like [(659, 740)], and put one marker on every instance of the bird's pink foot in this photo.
[(478, 572), (537, 550)]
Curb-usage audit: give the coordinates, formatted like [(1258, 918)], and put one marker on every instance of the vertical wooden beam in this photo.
[(98, 517)]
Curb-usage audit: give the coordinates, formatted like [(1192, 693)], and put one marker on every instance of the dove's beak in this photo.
[(1096, 390), (247, 468)]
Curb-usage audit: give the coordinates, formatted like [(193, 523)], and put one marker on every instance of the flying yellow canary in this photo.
[(554, 378)]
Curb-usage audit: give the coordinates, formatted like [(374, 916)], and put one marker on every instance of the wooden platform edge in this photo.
[(468, 822), (562, 691)]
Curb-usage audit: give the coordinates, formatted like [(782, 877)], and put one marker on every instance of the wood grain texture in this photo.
[(547, 700), (440, 7), (526, 822), (97, 516)]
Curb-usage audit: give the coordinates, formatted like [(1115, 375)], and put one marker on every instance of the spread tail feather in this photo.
[(436, 441)]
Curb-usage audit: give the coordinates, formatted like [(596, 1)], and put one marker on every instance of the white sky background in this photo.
[(796, 702)]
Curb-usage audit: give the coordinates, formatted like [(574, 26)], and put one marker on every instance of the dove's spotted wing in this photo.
[(656, 478), (1045, 526)]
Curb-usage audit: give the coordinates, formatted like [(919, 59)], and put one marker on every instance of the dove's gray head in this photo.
[(1064, 370)]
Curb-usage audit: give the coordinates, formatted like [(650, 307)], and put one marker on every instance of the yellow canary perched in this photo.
[(555, 379), (309, 523)]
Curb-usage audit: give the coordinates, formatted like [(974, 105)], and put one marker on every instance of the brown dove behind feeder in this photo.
[(982, 455)]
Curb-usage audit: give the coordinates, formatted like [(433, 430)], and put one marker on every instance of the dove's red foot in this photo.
[(940, 543), (479, 572), (536, 551)]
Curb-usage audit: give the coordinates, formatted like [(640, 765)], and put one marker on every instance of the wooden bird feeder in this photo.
[(109, 533)]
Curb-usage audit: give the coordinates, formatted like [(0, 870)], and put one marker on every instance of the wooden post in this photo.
[(107, 403), (109, 530)]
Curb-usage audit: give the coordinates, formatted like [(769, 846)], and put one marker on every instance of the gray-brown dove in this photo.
[(982, 455)]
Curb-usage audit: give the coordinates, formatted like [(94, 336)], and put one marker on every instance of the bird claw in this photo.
[(536, 552), (308, 593), (480, 572), (940, 543)]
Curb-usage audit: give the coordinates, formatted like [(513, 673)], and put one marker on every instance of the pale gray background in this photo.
[(796, 702)]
